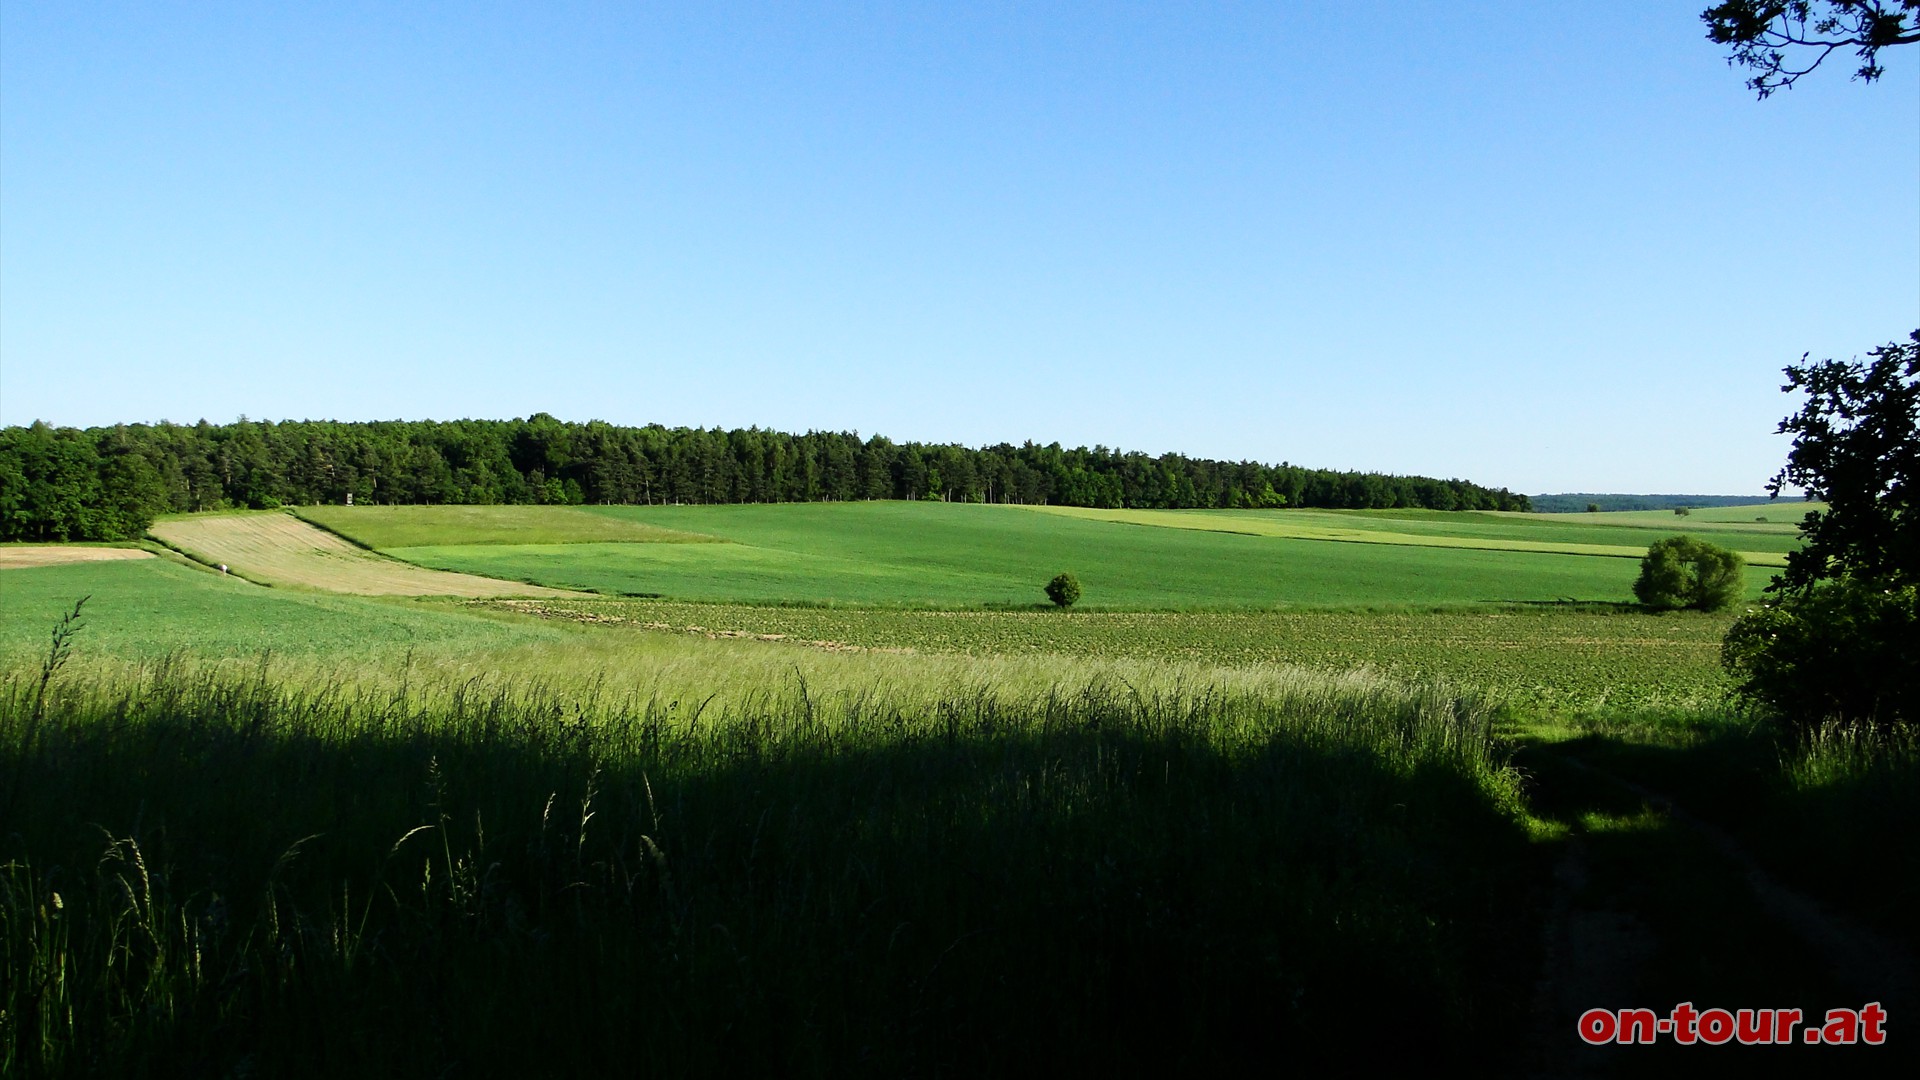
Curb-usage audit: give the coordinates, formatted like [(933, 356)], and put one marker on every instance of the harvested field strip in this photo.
[(1280, 526), (280, 549), (15, 557)]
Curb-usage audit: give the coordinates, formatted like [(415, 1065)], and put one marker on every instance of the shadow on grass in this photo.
[(1599, 607), (255, 883)]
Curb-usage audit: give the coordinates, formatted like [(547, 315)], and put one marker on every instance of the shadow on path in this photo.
[(1654, 905)]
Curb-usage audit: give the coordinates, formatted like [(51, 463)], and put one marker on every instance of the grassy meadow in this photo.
[(1579, 658), (283, 831)]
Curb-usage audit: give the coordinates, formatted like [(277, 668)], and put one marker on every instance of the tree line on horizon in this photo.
[(1575, 502), (108, 483)]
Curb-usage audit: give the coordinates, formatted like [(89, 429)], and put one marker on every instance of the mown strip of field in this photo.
[(1489, 532), (1581, 658), (280, 549), (21, 556), (971, 556)]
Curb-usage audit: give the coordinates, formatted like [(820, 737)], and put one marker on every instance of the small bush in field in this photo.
[(1681, 572), (1063, 590)]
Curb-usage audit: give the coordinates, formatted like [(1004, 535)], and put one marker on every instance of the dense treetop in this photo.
[(108, 483), (1857, 447)]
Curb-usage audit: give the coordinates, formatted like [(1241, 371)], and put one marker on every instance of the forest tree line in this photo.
[(108, 483)]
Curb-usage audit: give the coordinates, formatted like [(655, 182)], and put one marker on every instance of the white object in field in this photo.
[(223, 568), (349, 498)]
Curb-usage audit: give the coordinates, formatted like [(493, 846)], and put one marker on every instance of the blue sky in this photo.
[(1552, 247)]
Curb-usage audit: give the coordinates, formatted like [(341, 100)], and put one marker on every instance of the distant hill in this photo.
[(1578, 502)]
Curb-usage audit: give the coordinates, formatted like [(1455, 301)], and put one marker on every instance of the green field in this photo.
[(1785, 512), (156, 606), (969, 556), (383, 527), (1572, 657), (814, 839), (1580, 659), (1762, 544), (612, 820)]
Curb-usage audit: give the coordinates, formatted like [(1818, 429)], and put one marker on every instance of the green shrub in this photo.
[(1681, 572), (1839, 652), (1063, 590)]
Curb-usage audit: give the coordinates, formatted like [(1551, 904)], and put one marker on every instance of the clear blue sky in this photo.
[(1552, 247)]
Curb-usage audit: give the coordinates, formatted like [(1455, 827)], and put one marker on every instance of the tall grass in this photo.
[(1855, 809), (850, 865)]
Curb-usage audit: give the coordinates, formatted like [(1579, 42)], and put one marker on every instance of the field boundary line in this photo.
[(325, 528)]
